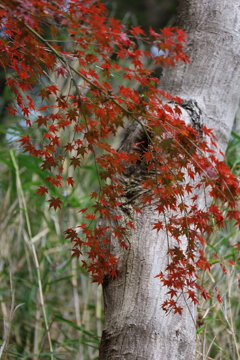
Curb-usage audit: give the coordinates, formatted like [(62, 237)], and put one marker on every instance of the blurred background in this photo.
[(72, 303), (144, 13)]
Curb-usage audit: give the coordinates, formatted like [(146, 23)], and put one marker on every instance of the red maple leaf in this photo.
[(158, 226), (42, 190), (55, 203), (90, 216), (70, 181), (75, 161)]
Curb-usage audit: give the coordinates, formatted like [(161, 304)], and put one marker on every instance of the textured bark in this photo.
[(213, 77), (135, 326)]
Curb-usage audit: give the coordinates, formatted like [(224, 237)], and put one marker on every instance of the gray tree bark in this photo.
[(135, 326)]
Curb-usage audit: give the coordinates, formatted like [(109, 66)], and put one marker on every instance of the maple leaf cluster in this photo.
[(181, 163)]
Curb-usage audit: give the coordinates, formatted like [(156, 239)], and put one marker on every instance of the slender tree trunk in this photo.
[(135, 326)]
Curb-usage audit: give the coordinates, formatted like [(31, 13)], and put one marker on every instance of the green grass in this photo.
[(49, 307), (219, 323)]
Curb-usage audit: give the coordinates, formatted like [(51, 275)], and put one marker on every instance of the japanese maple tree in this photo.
[(174, 154), (175, 164)]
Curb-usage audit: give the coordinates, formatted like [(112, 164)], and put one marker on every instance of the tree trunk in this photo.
[(135, 326)]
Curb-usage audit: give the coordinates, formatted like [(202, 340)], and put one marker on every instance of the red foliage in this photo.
[(180, 161)]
